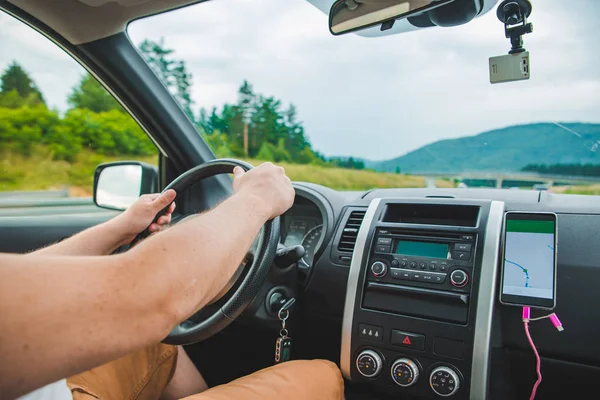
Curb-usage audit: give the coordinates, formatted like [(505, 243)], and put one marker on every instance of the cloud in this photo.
[(372, 97)]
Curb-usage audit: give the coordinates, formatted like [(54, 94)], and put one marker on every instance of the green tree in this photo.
[(398, 169), (228, 122), (63, 144), (91, 95), (266, 152), (349, 163), (110, 132), (273, 132), (15, 80), (266, 124), (219, 144), (297, 142), (24, 127), (172, 72), (12, 99)]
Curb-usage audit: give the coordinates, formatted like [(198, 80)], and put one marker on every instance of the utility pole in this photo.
[(246, 137), (246, 97)]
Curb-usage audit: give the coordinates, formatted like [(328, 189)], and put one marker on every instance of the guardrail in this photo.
[(50, 202), (22, 202), (517, 176), (38, 194)]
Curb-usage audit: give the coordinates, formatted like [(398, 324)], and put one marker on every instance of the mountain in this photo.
[(506, 149)]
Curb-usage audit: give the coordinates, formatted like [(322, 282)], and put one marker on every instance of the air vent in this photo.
[(350, 232)]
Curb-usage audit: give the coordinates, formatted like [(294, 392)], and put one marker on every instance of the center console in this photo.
[(420, 296)]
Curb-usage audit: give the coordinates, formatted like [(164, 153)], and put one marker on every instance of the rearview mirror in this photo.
[(117, 185), (351, 15)]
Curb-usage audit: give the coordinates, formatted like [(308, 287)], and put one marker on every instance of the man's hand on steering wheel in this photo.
[(140, 215), (267, 186)]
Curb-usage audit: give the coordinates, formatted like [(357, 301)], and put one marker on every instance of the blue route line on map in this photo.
[(524, 270), (551, 248)]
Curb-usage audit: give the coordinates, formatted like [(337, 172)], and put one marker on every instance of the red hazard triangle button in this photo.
[(411, 340)]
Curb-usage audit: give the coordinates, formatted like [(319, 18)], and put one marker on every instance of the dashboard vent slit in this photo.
[(350, 231)]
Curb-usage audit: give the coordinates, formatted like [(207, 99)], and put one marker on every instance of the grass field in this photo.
[(590, 190), (40, 172)]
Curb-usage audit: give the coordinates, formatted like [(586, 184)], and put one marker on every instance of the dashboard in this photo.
[(409, 282), (303, 225)]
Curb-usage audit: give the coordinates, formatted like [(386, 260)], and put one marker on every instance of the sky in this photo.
[(374, 98)]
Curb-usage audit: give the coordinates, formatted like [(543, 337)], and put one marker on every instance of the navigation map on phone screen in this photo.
[(529, 260)]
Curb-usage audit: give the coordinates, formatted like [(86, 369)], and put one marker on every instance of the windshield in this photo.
[(266, 81)]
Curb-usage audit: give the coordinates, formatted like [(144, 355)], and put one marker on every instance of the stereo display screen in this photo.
[(422, 249)]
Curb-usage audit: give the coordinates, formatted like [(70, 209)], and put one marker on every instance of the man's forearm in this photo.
[(202, 255), (95, 241), (139, 295)]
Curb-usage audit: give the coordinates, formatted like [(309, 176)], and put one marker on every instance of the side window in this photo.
[(57, 123)]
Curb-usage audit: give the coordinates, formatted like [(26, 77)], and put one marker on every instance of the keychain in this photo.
[(283, 345)]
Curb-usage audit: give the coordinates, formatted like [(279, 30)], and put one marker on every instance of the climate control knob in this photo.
[(459, 278), (405, 372), (379, 269), (369, 363), (444, 381)]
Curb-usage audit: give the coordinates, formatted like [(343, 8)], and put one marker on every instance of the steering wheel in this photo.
[(245, 286)]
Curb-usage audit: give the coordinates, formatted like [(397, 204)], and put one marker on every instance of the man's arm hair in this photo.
[(63, 315), (107, 237), (97, 240)]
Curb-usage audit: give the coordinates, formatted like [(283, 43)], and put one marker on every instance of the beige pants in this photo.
[(144, 375)]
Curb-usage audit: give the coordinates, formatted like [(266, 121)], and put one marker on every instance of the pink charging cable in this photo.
[(538, 362)]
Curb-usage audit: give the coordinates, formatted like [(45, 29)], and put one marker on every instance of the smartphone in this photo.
[(529, 260)]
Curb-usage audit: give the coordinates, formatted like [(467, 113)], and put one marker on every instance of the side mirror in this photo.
[(117, 185)]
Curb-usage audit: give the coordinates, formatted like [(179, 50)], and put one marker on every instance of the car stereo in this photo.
[(434, 260)]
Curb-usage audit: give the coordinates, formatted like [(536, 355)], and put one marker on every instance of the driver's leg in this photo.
[(186, 379), (145, 374), (141, 375), (292, 380)]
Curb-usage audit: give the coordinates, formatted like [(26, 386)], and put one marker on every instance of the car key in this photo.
[(283, 345)]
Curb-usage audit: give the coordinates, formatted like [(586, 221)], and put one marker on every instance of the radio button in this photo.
[(433, 267), (406, 275), (382, 249), (378, 269), (427, 277), (387, 241), (459, 278), (422, 265), (395, 263), (461, 246), (403, 263), (413, 264), (461, 255), (443, 267), (396, 273), (416, 276), (468, 238), (439, 278)]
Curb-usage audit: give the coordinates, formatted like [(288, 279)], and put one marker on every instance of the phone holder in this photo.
[(513, 14)]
